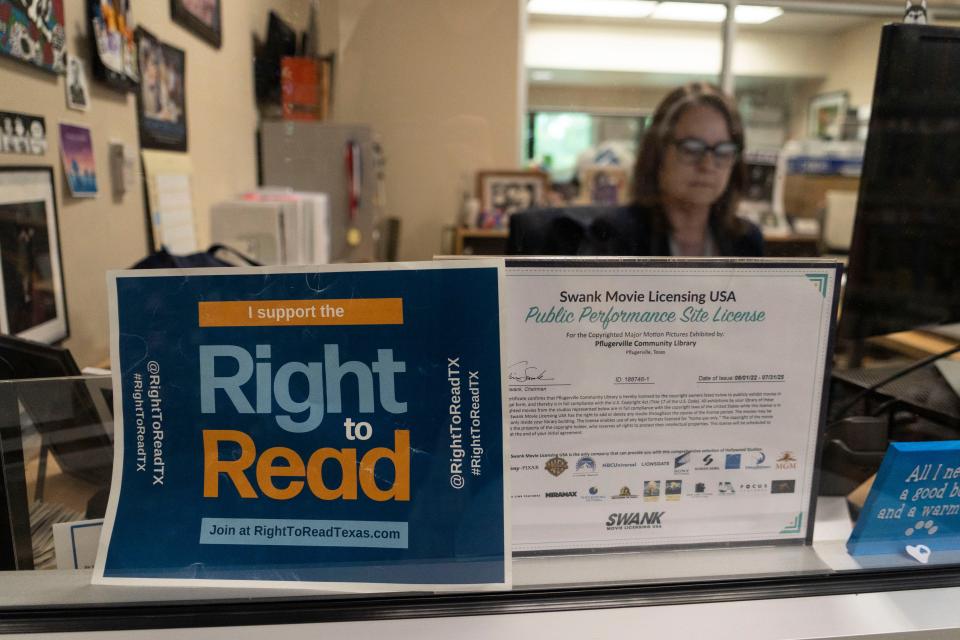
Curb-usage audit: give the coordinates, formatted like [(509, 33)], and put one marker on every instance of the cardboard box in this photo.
[(805, 196)]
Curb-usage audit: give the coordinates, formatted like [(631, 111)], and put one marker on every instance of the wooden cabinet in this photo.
[(480, 242)]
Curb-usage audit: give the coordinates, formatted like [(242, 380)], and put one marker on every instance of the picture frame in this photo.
[(113, 47), (77, 92), (826, 115), (202, 17), (23, 133), (34, 31), (161, 98), (501, 193), (79, 164), (604, 185), (33, 301)]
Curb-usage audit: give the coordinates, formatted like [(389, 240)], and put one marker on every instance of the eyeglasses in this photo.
[(693, 150)]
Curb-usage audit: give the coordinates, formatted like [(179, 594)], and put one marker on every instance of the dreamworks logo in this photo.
[(635, 520), (756, 460)]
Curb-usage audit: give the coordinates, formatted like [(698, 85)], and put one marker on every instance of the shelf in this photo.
[(481, 242)]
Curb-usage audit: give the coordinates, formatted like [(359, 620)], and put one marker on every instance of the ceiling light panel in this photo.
[(593, 8), (690, 11), (712, 12), (752, 14)]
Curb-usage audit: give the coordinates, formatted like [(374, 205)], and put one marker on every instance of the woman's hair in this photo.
[(646, 186)]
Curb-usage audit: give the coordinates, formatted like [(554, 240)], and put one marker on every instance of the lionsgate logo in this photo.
[(680, 463), (635, 520)]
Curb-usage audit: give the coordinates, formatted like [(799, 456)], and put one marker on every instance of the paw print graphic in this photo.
[(922, 525)]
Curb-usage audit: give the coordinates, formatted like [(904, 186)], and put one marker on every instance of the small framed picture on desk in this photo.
[(603, 185), (501, 193), (827, 114)]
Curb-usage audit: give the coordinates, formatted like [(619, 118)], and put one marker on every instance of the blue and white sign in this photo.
[(914, 504), (289, 427)]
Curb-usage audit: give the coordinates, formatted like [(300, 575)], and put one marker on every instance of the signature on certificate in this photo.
[(523, 371)]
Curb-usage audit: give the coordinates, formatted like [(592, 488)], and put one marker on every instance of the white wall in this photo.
[(441, 82), (854, 67), (854, 55), (101, 233)]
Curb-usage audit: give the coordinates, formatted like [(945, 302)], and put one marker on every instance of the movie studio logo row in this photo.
[(754, 460), (672, 490), (717, 461)]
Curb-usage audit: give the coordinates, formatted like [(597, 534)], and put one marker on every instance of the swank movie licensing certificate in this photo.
[(665, 402), (340, 427)]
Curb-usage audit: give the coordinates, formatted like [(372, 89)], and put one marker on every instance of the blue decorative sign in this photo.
[(341, 427), (825, 165), (914, 504)]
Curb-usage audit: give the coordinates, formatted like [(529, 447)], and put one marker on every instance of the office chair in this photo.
[(585, 230)]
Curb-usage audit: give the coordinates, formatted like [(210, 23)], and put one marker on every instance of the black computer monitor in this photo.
[(24, 359), (904, 264), (281, 41)]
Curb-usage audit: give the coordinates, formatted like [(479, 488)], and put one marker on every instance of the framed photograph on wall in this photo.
[(501, 193), (202, 17), (23, 133), (161, 99), (827, 114), (33, 304), (78, 95), (34, 31)]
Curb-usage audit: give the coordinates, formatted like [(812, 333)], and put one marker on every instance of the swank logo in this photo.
[(635, 520)]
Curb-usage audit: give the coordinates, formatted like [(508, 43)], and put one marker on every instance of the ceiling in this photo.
[(796, 19)]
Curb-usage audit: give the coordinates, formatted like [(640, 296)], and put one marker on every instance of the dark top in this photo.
[(612, 231)]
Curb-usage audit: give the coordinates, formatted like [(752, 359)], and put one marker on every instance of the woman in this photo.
[(690, 174), (687, 184)]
